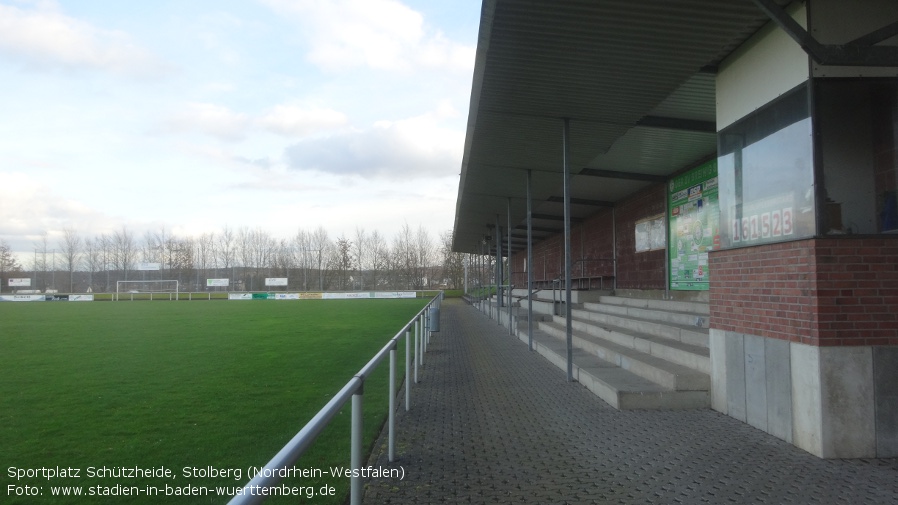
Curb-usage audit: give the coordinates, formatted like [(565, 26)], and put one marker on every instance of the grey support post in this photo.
[(529, 261), (508, 252), (567, 249)]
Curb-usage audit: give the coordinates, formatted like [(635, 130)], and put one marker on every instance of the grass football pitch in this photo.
[(118, 391)]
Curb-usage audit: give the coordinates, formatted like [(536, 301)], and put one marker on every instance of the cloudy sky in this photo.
[(193, 116)]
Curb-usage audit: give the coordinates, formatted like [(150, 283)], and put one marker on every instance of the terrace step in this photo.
[(659, 363), (679, 326), (619, 387), (632, 353), (697, 308)]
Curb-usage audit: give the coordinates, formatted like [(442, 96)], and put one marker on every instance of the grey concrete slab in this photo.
[(779, 389), (849, 419), (718, 370), (492, 422), (807, 422), (735, 370), (885, 380), (755, 382)]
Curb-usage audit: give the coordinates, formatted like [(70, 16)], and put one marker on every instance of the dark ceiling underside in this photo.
[(635, 80)]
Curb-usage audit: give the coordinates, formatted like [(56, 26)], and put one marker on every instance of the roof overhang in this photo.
[(634, 79)]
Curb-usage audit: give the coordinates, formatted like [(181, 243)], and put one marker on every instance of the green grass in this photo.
[(225, 384)]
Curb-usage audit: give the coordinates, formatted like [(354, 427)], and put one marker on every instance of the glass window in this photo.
[(858, 124), (766, 174)]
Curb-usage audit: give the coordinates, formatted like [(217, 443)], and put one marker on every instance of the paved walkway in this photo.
[(491, 422)]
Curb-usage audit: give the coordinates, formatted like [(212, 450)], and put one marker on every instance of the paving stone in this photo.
[(491, 422)]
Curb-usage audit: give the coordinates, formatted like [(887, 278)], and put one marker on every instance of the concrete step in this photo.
[(686, 333), (656, 368), (696, 357), (666, 316), (698, 308), (619, 387)]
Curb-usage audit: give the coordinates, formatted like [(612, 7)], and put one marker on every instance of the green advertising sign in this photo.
[(694, 226)]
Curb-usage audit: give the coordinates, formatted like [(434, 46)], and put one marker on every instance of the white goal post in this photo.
[(132, 288)]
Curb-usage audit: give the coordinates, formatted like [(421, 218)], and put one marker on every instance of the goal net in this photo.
[(145, 290)]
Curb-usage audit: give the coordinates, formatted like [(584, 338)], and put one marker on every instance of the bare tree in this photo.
[(123, 251), (155, 251), (360, 253), (320, 245), (403, 258), (245, 253), (205, 255), (342, 263), (92, 260), (104, 243), (378, 256), (70, 246), (301, 257), (227, 250), (8, 264), (453, 262), (181, 257), (423, 257)]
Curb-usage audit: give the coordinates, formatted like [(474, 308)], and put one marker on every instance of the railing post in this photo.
[(355, 458), (408, 368), (391, 417), (418, 320), (425, 323)]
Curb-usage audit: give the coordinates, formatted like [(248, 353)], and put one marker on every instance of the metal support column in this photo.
[(498, 267), (666, 242), (529, 261), (508, 252), (467, 259), (614, 249), (567, 249)]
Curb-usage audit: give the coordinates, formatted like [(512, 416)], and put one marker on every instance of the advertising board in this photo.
[(694, 226)]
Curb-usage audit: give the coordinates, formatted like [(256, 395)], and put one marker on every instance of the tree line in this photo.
[(311, 260)]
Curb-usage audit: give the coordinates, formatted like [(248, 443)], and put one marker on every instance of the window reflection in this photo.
[(766, 176)]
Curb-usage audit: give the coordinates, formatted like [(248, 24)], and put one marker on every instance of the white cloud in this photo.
[(380, 34), (411, 148), (227, 125), (30, 208), (211, 119), (295, 121), (45, 37)]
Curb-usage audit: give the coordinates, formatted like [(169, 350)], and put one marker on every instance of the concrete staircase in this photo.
[(633, 353)]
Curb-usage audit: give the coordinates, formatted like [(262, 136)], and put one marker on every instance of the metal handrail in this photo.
[(273, 471)]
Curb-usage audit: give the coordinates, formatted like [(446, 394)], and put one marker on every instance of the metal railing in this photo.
[(274, 470), (583, 261)]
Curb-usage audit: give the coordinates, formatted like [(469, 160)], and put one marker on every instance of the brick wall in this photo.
[(592, 239), (639, 270), (826, 292)]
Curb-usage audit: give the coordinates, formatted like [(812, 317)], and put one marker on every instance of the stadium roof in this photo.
[(635, 79)]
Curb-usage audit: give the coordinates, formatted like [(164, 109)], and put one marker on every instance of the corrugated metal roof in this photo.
[(634, 78)]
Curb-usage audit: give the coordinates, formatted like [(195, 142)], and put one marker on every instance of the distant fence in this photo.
[(211, 295)]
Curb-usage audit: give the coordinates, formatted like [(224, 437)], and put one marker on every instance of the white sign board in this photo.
[(212, 283), (21, 283), (22, 298), (149, 266), (275, 281)]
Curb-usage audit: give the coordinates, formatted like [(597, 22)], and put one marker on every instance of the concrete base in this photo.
[(834, 402)]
